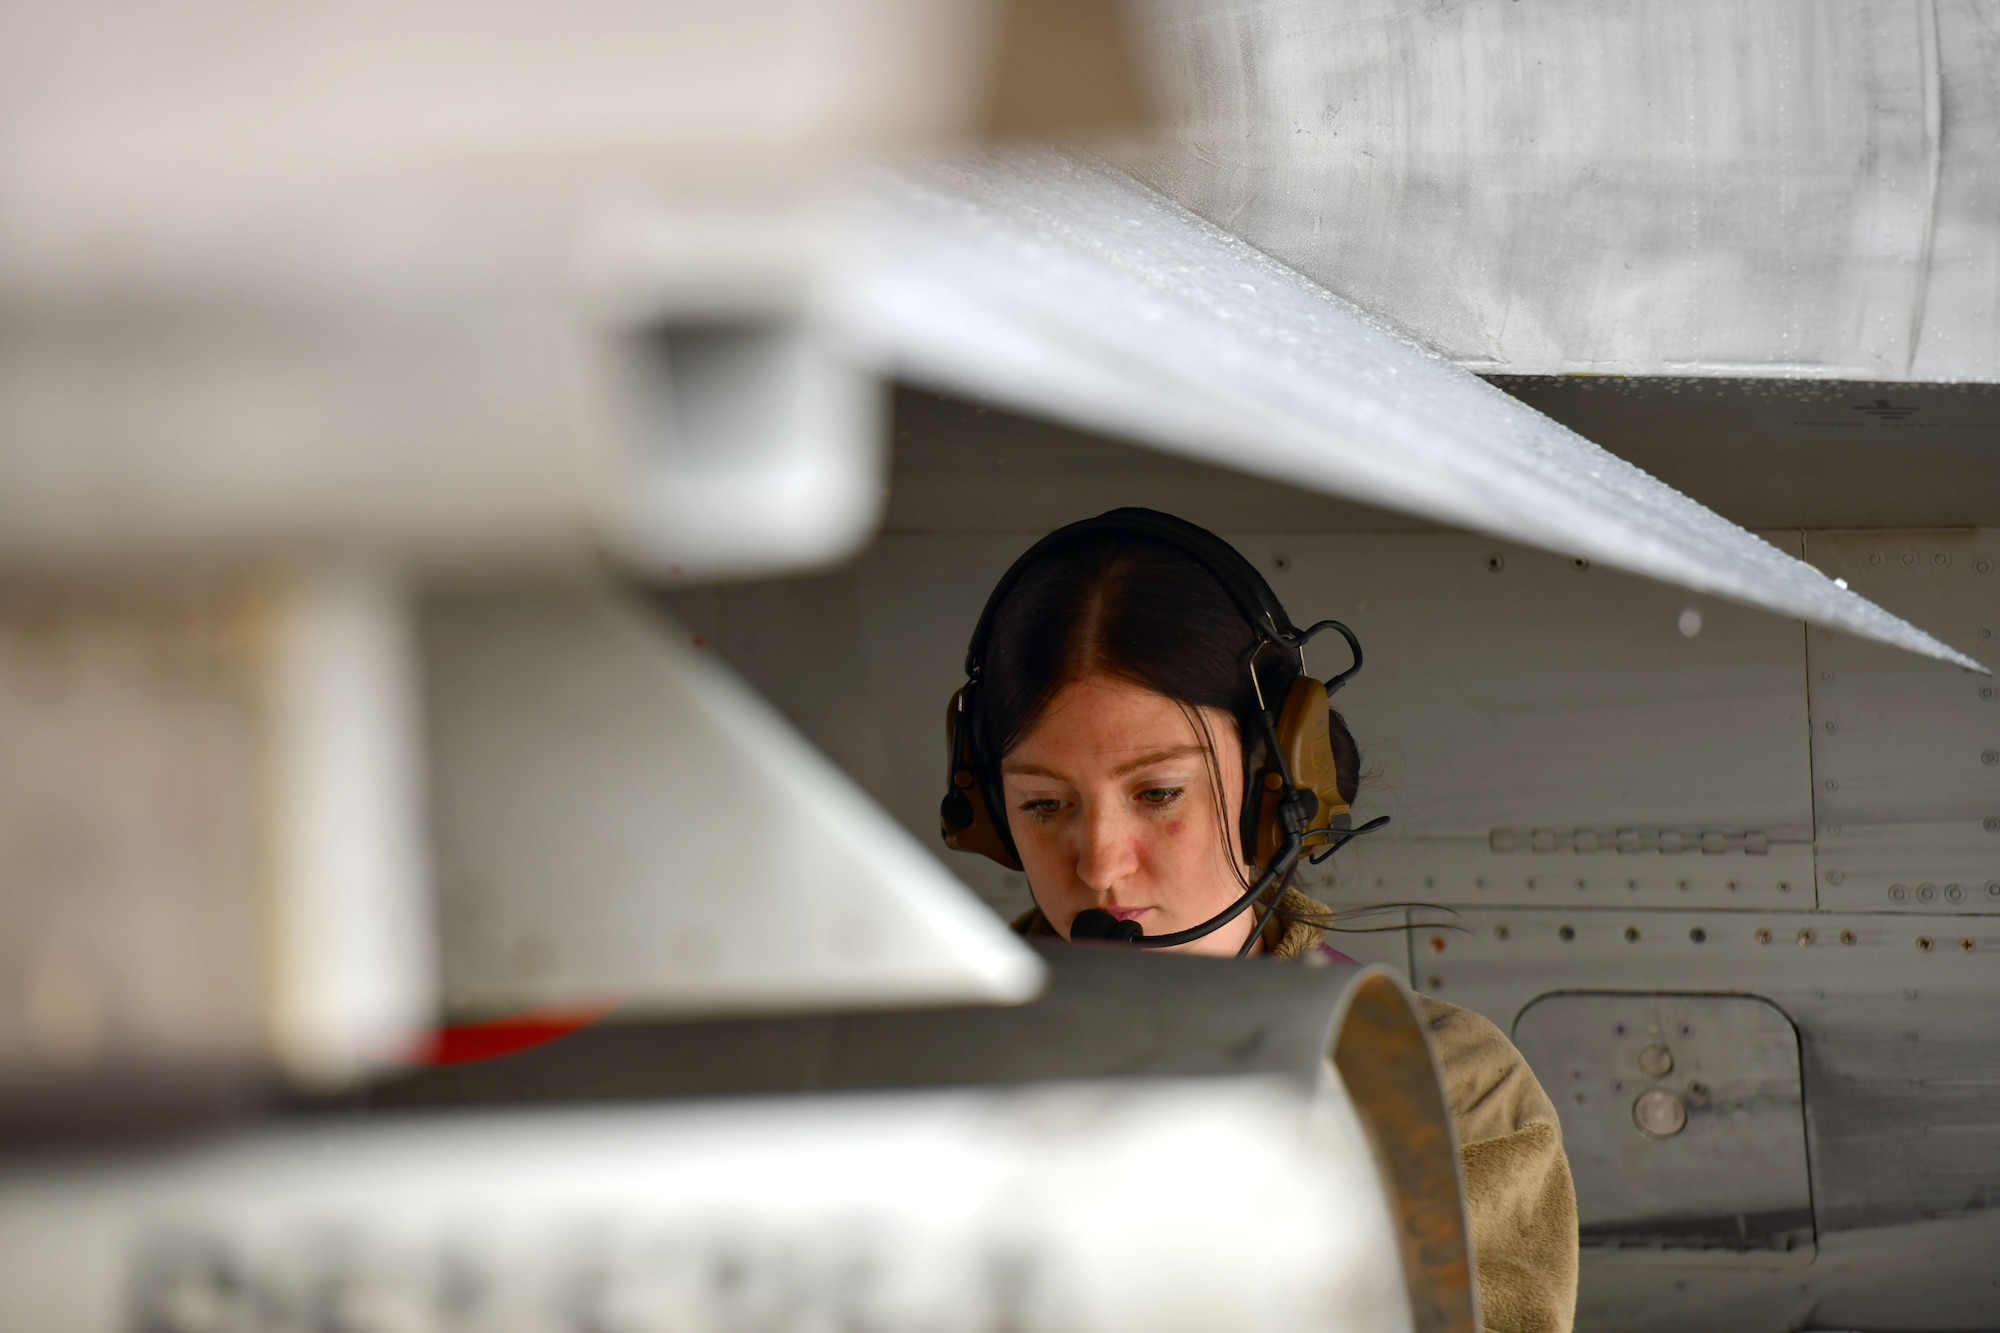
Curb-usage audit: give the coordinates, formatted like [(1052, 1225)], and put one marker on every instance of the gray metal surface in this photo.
[(1784, 188), (1683, 1117), (1103, 1014), (1796, 453), (1060, 285), (1906, 763)]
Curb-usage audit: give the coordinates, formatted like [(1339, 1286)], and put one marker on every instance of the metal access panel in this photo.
[(1906, 758), (1684, 1120)]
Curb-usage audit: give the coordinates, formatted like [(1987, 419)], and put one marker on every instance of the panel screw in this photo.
[(1847, 937), (1924, 943), (1698, 935), (1966, 945), (1281, 562), (1806, 937), (1580, 563), (1500, 932), (1631, 934), (1659, 1114), (1763, 936), (1989, 757), (1566, 933), (1495, 563)]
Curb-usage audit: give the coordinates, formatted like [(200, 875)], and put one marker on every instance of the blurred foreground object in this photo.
[(1321, 1200), (211, 841)]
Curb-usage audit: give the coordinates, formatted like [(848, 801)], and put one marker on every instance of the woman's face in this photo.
[(1112, 804)]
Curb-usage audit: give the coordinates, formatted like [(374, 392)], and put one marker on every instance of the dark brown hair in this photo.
[(1142, 610)]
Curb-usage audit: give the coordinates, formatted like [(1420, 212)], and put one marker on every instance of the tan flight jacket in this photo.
[(1519, 1198)]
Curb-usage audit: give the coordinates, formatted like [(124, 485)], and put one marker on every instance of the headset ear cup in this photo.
[(1305, 739), (964, 820)]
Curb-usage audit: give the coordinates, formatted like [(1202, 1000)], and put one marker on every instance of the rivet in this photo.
[(1784, 886), (1989, 757), (1631, 883), (1875, 559), (1847, 937), (1281, 562), (1985, 633), (1495, 563), (1659, 1114), (1832, 785), (1655, 1061), (1582, 884), (1927, 892), (1993, 888), (1763, 936), (1682, 885), (1830, 727), (1698, 935), (1910, 558), (1826, 676), (1941, 558), (1990, 824), (1566, 933), (1983, 566), (1806, 937), (1898, 892), (1631, 934), (1953, 892), (1834, 877), (1500, 932), (1685, 1031), (1966, 945), (1433, 982), (1986, 691), (1924, 943), (1580, 563), (1732, 886), (1833, 830)]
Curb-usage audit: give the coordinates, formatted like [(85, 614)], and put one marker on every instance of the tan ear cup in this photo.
[(1306, 741), (963, 817)]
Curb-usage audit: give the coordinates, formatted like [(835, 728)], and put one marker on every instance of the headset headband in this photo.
[(1255, 601)]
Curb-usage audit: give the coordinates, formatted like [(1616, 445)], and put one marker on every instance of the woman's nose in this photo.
[(1108, 855)]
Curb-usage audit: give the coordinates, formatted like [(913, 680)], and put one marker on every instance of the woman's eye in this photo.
[(1045, 808), (1157, 796)]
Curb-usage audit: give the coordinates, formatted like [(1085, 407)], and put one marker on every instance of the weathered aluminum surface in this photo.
[(1724, 1172), (1906, 764), (1032, 1209), (1063, 287), (616, 817), (1785, 188)]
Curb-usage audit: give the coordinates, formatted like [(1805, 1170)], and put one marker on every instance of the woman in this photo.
[(1121, 740)]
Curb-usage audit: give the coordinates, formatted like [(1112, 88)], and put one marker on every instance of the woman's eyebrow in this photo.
[(1156, 757)]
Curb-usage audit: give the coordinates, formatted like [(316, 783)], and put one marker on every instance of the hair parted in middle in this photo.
[(1124, 605)]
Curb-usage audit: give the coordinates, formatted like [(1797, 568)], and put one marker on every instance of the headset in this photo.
[(1296, 791)]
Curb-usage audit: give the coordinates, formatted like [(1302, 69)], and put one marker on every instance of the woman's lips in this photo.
[(1128, 913)]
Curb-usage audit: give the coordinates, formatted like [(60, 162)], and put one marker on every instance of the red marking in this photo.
[(1437, 944), (698, 640), (470, 1043)]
